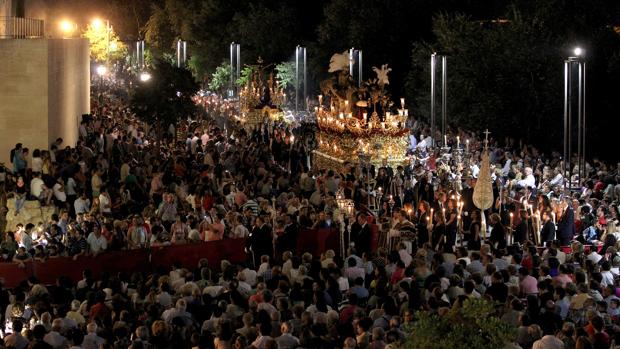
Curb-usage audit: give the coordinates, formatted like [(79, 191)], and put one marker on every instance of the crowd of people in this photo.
[(547, 256)]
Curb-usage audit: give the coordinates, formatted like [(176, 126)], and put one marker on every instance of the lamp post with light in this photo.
[(574, 67), (67, 28), (145, 76), (101, 71)]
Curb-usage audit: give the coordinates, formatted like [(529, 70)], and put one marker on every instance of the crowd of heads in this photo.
[(546, 256)]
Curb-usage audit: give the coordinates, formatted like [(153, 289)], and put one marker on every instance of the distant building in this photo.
[(44, 83)]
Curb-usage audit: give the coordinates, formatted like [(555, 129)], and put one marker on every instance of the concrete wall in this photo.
[(44, 90), (68, 88)]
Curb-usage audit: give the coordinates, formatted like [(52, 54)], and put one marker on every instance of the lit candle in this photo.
[(406, 112), (458, 142), (383, 125), (320, 99), (365, 115), (467, 144), (402, 103), (511, 219), (445, 140), (432, 215)]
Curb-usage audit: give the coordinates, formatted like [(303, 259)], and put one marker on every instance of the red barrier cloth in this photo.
[(128, 261), (317, 241), (13, 275), (111, 262), (189, 255)]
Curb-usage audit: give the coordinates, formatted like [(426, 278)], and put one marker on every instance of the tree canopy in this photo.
[(472, 325), (505, 56), (104, 43), (166, 97)]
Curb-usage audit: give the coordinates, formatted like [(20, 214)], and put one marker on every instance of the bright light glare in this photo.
[(97, 23), (101, 70), (578, 51), (145, 77), (66, 26), (113, 46)]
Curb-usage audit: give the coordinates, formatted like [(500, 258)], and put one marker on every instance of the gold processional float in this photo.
[(261, 98), (355, 123)]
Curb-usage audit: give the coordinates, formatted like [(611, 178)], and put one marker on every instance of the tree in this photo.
[(285, 74), (166, 97), (158, 33), (267, 30), (220, 78), (507, 75), (472, 325), (104, 43), (245, 76)]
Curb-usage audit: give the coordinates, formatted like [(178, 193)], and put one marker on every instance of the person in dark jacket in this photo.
[(261, 240), (498, 233), (566, 224), (547, 234)]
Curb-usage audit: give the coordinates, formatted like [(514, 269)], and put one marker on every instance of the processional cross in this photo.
[(486, 137)]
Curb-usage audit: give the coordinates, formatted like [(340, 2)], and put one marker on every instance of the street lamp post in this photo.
[(444, 95), (352, 54), (140, 54), (181, 53), (574, 66), (300, 59), (235, 66)]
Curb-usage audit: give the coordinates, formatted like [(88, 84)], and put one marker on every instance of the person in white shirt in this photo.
[(606, 274), (507, 164), (528, 181), (71, 187), (557, 180), (105, 203), (96, 242), (39, 190), (353, 271), (404, 255), (59, 191), (249, 276), (81, 204)]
